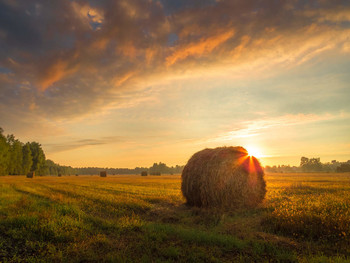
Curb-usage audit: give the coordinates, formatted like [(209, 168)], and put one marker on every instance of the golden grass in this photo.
[(304, 218)]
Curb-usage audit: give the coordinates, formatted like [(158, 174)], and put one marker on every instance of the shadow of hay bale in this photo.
[(225, 178)]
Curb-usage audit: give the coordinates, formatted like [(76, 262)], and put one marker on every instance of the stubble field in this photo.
[(305, 218)]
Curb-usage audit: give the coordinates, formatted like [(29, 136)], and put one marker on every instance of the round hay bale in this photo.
[(144, 173), (30, 175), (103, 174), (224, 177)]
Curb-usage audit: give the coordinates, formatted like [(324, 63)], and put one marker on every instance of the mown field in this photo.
[(305, 218)]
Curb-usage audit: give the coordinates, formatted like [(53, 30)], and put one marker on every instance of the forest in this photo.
[(17, 157), (308, 165)]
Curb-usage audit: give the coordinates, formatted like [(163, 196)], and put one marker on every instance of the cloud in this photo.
[(70, 59), (54, 72), (201, 48), (77, 144), (337, 15), (263, 125), (89, 15)]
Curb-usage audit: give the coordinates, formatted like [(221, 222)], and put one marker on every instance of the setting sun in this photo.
[(254, 151)]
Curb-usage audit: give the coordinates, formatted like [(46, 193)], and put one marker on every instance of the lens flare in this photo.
[(254, 151)]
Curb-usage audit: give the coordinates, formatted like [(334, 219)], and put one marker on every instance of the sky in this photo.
[(127, 83)]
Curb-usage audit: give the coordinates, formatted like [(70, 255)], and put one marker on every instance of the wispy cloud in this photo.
[(260, 126), (76, 144), (202, 47), (106, 46)]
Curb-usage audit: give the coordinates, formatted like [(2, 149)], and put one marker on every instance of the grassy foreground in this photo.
[(305, 218)]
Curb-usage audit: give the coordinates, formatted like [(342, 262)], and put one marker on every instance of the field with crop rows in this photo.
[(305, 218)]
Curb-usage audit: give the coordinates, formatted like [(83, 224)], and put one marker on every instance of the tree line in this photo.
[(311, 165), (52, 168), (18, 158)]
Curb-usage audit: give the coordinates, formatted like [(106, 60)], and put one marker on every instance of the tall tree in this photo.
[(16, 156), (4, 154), (304, 161), (38, 158), (27, 160), (310, 165), (51, 168)]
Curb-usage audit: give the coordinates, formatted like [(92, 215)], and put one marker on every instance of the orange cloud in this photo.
[(54, 73), (87, 13), (204, 46), (346, 47), (121, 80), (100, 44), (233, 38), (149, 55), (127, 49), (241, 47), (335, 15)]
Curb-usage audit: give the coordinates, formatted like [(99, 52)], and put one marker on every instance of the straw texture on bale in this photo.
[(224, 177), (103, 174), (30, 175)]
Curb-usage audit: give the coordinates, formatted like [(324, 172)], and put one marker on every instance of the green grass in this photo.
[(305, 218)]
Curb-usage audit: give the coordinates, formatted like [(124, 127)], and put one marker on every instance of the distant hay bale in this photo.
[(76, 174), (59, 175), (144, 173), (30, 175), (103, 174), (224, 177)]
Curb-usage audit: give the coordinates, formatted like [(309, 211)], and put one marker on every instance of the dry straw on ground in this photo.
[(224, 177), (103, 174)]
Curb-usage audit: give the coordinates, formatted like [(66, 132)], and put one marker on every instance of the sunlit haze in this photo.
[(129, 83)]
